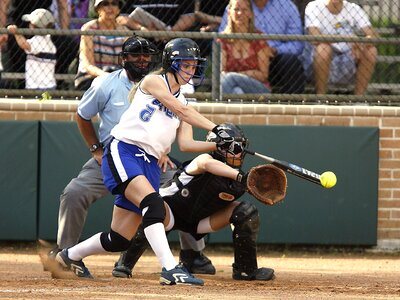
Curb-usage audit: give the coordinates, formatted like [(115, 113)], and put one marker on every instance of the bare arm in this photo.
[(314, 31), (4, 5), (89, 135), (206, 163), (263, 58), (21, 40), (188, 144), (154, 85), (370, 32), (63, 13), (87, 53)]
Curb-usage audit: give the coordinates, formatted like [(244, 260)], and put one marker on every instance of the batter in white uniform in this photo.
[(158, 114)]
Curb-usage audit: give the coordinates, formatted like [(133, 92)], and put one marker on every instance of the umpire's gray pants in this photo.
[(75, 201), (84, 190)]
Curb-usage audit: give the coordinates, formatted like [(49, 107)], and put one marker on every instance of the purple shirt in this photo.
[(277, 17)]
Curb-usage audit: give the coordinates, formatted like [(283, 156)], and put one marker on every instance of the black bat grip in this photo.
[(249, 151)]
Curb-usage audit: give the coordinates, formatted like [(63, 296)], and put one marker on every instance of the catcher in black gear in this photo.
[(202, 197)]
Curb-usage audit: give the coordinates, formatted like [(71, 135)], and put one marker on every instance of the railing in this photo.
[(215, 94)]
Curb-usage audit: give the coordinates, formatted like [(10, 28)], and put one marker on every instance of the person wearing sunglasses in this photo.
[(99, 54)]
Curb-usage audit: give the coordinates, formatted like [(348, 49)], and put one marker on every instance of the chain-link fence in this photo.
[(277, 50)]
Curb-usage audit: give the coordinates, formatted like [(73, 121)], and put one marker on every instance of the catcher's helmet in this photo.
[(138, 46), (238, 134), (178, 50)]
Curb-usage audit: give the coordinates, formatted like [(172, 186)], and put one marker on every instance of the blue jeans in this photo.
[(236, 83)]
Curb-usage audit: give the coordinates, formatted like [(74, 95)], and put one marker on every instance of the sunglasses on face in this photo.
[(109, 3)]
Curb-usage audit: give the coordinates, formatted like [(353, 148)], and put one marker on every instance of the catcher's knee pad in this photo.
[(113, 241), (246, 221), (245, 213), (154, 210), (135, 250)]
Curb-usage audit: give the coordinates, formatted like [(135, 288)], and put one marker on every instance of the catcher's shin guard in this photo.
[(246, 221), (128, 259)]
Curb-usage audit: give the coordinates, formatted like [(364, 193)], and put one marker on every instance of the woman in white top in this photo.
[(158, 114)]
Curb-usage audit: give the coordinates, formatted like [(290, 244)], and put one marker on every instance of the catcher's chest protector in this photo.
[(206, 194)]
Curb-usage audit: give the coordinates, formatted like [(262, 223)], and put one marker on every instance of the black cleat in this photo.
[(263, 274), (121, 271), (196, 262)]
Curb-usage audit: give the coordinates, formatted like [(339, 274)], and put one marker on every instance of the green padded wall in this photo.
[(310, 214), (18, 180), (63, 153)]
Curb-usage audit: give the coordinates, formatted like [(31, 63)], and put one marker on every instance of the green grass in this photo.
[(384, 72)]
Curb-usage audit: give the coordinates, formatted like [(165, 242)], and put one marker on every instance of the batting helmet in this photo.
[(138, 46), (181, 49), (222, 155)]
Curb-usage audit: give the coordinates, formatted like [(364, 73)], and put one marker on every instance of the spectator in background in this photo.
[(280, 17), (40, 50), (168, 11), (11, 12), (189, 15), (99, 54), (245, 63), (340, 62)]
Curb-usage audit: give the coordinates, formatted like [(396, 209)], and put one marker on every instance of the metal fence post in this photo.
[(216, 71)]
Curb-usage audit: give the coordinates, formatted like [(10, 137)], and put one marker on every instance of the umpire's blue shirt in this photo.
[(108, 97)]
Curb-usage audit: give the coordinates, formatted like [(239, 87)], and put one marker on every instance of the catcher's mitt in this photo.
[(267, 184)]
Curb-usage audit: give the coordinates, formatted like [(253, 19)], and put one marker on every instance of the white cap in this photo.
[(97, 2), (39, 17)]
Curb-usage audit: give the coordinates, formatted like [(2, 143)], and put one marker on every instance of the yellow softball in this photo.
[(328, 179)]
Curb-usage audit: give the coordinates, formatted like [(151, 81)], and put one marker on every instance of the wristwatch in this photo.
[(94, 147)]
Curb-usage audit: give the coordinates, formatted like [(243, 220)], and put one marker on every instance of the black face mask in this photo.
[(135, 73)]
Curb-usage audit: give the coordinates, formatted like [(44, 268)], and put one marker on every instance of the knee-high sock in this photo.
[(88, 247), (157, 238)]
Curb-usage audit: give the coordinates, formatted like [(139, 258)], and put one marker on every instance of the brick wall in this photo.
[(386, 118)]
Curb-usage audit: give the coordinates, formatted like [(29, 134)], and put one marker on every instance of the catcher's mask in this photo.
[(232, 159), (139, 57), (184, 52)]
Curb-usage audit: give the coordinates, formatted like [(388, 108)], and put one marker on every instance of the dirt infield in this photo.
[(299, 275)]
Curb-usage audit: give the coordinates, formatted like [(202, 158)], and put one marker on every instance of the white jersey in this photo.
[(148, 124), (40, 63), (350, 19)]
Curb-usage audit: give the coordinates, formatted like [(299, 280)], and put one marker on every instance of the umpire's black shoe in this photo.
[(259, 274), (121, 271), (196, 262), (51, 255), (53, 252)]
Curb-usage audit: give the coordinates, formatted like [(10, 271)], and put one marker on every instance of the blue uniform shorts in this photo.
[(121, 163)]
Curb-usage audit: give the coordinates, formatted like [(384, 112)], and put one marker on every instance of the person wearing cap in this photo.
[(99, 54), (41, 51), (11, 12)]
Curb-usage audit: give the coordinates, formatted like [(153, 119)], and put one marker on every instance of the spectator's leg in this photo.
[(187, 242), (321, 65), (365, 67), (287, 73), (229, 82)]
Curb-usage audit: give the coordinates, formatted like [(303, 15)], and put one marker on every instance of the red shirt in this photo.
[(234, 64)]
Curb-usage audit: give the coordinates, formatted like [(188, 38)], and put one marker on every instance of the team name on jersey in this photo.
[(163, 108), (147, 113)]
